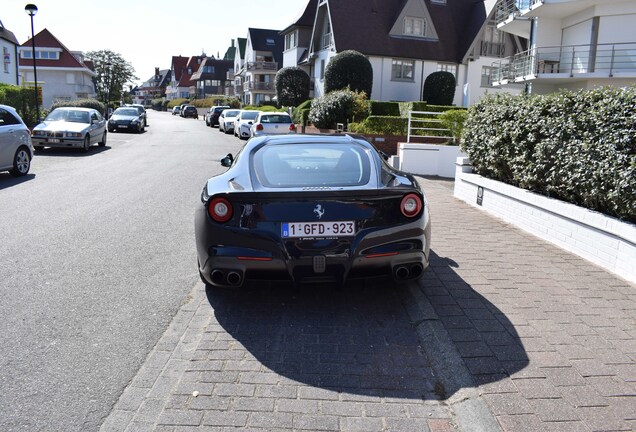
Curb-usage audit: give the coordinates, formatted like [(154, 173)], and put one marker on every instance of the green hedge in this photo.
[(83, 103), (23, 100), (301, 112), (381, 125), (576, 146), (378, 108)]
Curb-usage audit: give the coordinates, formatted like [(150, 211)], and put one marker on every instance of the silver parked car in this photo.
[(226, 120), (16, 150), (71, 127), (272, 123)]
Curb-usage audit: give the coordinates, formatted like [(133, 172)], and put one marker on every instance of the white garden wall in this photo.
[(605, 241), (428, 159)]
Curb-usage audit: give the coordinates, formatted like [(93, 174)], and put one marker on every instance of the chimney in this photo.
[(156, 71)]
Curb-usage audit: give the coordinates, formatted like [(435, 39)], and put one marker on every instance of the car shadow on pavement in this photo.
[(362, 340), (77, 152), (7, 180), (473, 332)]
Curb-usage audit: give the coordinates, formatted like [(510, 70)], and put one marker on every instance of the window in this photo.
[(270, 41), (322, 69), (438, 1), (6, 118), (447, 67), (486, 73), (6, 58), (403, 70), (414, 26), (290, 40), (493, 44), (39, 54), (297, 165)]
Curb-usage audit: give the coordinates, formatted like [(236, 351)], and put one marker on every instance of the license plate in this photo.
[(123, 126), (318, 229), (53, 140)]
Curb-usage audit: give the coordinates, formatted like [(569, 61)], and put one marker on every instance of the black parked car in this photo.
[(308, 208), (126, 118), (190, 111), (212, 116)]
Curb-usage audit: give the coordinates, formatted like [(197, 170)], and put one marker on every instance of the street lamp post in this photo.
[(109, 83), (32, 9)]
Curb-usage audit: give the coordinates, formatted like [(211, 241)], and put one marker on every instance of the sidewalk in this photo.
[(505, 332)]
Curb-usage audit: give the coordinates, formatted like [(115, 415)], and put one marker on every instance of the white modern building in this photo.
[(573, 44)]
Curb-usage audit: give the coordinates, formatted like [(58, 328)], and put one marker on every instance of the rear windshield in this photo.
[(219, 110), (275, 118), (312, 165), (249, 115), (231, 113)]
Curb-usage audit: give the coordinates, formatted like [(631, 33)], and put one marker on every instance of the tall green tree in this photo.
[(113, 73)]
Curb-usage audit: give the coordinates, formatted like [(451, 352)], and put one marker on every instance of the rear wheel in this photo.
[(21, 162), (87, 143)]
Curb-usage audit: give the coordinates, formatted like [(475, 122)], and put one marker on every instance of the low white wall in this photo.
[(428, 159), (605, 241)]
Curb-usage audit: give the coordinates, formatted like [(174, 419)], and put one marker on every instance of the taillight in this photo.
[(411, 205), (292, 127), (259, 127), (220, 209)]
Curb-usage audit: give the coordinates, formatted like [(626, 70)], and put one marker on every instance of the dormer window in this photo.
[(270, 41), (414, 26), (439, 1)]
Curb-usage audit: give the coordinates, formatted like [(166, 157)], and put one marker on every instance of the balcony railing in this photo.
[(602, 59), (505, 8), (252, 85), (262, 65)]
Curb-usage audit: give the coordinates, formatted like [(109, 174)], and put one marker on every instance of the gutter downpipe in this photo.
[(533, 50)]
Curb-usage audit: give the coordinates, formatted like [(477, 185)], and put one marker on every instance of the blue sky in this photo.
[(147, 33)]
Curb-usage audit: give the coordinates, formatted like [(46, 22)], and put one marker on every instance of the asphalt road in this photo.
[(97, 256)]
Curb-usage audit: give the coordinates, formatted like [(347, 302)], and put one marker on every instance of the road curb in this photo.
[(470, 411)]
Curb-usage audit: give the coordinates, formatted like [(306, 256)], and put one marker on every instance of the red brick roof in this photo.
[(45, 39)]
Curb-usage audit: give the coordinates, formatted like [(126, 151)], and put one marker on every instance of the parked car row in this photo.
[(250, 123)]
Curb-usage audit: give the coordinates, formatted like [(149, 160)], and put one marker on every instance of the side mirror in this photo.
[(227, 160)]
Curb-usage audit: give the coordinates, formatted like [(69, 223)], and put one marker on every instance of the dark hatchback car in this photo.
[(212, 116), (190, 111), (310, 208), (127, 119)]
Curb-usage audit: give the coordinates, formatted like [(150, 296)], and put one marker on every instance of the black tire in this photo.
[(102, 143), (21, 162), (87, 143)]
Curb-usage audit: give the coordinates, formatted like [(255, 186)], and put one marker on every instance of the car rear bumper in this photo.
[(402, 255)]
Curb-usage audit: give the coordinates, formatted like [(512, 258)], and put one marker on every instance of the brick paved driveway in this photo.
[(545, 339), (549, 338)]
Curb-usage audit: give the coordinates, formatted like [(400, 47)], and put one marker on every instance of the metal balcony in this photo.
[(260, 86), (507, 9), (262, 65)]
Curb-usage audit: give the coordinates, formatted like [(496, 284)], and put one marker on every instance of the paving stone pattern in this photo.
[(549, 337), (275, 358), (545, 338)]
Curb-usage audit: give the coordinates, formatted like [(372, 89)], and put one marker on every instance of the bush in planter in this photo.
[(349, 69), (579, 147), (339, 106)]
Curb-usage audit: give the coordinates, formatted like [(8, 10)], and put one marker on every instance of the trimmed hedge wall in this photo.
[(378, 108), (579, 147), (387, 125)]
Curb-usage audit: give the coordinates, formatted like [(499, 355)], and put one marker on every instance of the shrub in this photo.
[(265, 108), (377, 108), (292, 86), (349, 69), (23, 100), (300, 114), (381, 125), (454, 120), (84, 103), (439, 88), (176, 102), (339, 106), (579, 147)]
